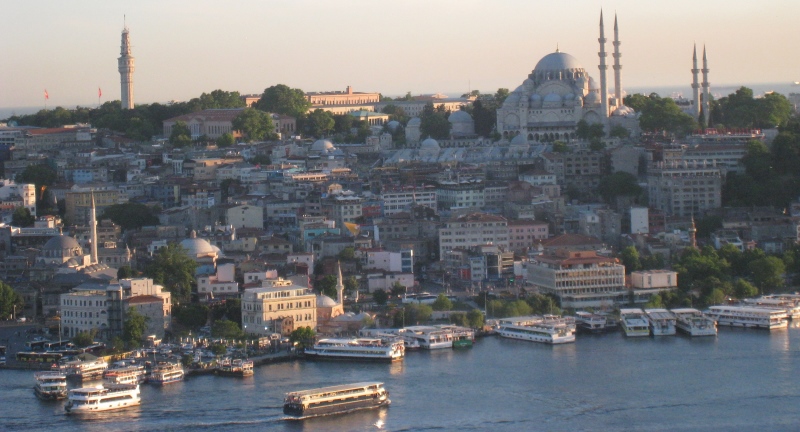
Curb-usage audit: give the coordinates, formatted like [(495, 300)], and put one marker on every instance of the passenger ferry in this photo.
[(97, 399), (235, 368), (537, 329), (748, 316), (50, 385), (334, 400), (429, 337), (463, 337), (694, 323), (166, 373), (125, 375), (633, 322), (588, 322), (786, 302), (661, 322), (85, 370), (364, 349)]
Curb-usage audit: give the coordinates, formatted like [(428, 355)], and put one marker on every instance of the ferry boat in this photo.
[(633, 322), (365, 349), (50, 385), (661, 322), (125, 375), (694, 323), (166, 373), (429, 337), (236, 368), (334, 400), (748, 316), (787, 302), (463, 337), (97, 399), (537, 329), (85, 370), (588, 322)]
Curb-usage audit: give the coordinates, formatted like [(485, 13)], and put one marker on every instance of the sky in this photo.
[(184, 48)]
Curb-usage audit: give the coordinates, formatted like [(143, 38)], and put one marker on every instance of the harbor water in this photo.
[(740, 380)]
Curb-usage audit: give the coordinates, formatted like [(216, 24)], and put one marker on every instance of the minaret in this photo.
[(695, 84), (603, 68), (93, 227), (339, 285), (126, 68), (693, 234), (617, 66), (706, 92)]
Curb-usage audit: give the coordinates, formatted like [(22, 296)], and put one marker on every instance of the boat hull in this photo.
[(111, 406), (766, 326), (345, 357), (541, 338), (50, 395), (298, 413)]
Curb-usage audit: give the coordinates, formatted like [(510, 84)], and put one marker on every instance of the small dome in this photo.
[(536, 97), (528, 84), (519, 139), (593, 98), (623, 111), (512, 100), (430, 144), (325, 301), (460, 116), (393, 125), (552, 97), (61, 242), (322, 145), (557, 61), (197, 246), (593, 84), (415, 121)]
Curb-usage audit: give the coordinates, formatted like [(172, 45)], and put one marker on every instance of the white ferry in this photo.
[(537, 329), (462, 336), (97, 399), (429, 337), (334, 400), (125, 375), (50, 385), (661, 322), (85, 370), (748, 316), (694, 323), (365, 349), (786, 302), (588, 322), (166, 373), (633, 322), (236, 368)]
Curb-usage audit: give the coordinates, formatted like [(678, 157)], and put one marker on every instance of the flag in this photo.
[(46, 96), (99, 92)]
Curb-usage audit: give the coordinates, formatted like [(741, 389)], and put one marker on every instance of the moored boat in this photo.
[(334, 400), (787, 302), (694, 323), (166, 373), (97, 399), (660, 321), (633, 322), (549, 330), (235, 368), (591, 323), (361, 349), (50, 385), (125, 375), (748, 316), (85, 370)]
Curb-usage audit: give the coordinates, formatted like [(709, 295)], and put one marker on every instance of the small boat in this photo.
[(100, 398), (166, 373), (694, 323), (335, 400), (590, 323), (633, 322), (661, 322), (235, 368), (50, 385)]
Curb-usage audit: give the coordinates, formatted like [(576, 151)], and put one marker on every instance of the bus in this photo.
[(39, 357), (37, 345), (56, 346)]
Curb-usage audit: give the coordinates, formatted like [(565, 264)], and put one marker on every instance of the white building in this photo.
[(397, 201), (219, 285), (18, 195), (278, 306), (579, 278), (640, 220), (473, 229)]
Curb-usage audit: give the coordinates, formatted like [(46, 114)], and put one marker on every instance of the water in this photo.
[(740, 380)]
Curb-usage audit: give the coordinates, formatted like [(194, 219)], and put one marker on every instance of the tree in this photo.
[(255, 124), (475, 318), (130, 215), (22, 217), (326, 286), (717, 296), (661, 114), (303, 337), (125, 272), (543, 305), (219, 99), (630, 259), (767, 273), (560, 147), (174, 269), (180, 136), (398, 289), (347, 254), (281, 99), (226, 329), (743, 289), (619, 131), (442, 303), (41, 175), (501, 95), (226, 140), (434, 123), (230, 309), (191, 315), (83, 339), (117, 345), (459, 319), (134, 328), (485, 117), (589, 131), (11, 302), (396, 113), (380, 296), (620, 183), (219, 349), (319, 123), (350, 285), (413, 314)]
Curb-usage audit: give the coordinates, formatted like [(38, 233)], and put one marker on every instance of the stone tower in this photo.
[(603, 67), (617, 65), (339, 285), (706, 91), (126, 68), (695, 84), (93, 227)]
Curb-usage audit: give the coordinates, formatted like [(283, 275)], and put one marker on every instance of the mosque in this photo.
[(559, 93)]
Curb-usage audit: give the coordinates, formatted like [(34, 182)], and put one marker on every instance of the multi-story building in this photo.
[(461, 194), (684, 190), (219, 285), (473, 229), (579, 279), (84, 311), (342, 207), (18, 195), (278, 306), (647, 283), (244, 216), (523, 233), (212, 123), (348, 97), (79, 204), (581, 169), (401, 199)]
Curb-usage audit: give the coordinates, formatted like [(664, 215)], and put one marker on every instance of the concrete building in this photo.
[(278, 306), (324, 100), (244, 216), (523, 233), (473, 229), (222, 284), (684, 190), (647, 283), (212, 123), (579, 279)]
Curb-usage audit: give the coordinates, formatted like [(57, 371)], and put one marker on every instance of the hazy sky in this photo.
[(184, 48)]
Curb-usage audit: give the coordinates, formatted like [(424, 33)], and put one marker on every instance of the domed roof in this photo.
[(593, 97), (512, 99), (557, 61), (552, 97), (528, 84), (415, 121), (325, 301), (519, 139), (460, 116), (197, 246), (61, 242), (430, 144), (322, 145), (623, 111), (536, 97), (569, 97), (393, 125)]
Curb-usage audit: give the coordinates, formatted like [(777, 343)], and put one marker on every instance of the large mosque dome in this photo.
[(322, 145), (196, 247), (557, 61), (62, 246)]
